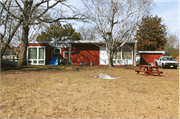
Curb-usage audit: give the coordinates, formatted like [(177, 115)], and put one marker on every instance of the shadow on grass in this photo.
[(151, 75), (49, 68), (55, 68), (31, 68)]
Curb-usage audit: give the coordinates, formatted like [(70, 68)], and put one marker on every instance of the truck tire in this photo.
[(156, 63), (163, 66), (175, 67)]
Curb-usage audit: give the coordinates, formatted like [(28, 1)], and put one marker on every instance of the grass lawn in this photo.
[(73, 92)]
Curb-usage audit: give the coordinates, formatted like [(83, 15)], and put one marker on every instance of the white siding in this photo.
[(103, 56)]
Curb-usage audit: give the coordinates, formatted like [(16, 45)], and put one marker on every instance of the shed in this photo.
[(147, 57)]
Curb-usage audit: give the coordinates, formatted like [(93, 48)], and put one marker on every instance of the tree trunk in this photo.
[(24, 44), (110, 57), (110, 62)]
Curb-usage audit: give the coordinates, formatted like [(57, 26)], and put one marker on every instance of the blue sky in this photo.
[(168, 10)]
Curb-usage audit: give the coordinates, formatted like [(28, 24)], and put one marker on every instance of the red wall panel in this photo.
[(85, 53), (149, 57)]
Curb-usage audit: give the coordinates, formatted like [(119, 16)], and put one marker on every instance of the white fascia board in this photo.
[(39, 42), (84, 41), (139, 52), (51, 45), (48, 42), (74, 41)]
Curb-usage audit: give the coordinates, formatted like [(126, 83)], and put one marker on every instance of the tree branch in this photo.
[(10, 38), (4, 7)]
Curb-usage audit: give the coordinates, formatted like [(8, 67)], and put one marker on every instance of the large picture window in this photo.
[(123, 56), (127, 53), (36, 55)]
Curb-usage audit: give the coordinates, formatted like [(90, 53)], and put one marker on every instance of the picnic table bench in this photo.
[(148, 69)]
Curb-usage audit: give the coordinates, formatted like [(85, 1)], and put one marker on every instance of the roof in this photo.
[(73, 41), (153, 52), (66, 43), (165, 56)]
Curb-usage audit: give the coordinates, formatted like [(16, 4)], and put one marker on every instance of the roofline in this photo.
[(74, 41), (40, 42), (139, 52)]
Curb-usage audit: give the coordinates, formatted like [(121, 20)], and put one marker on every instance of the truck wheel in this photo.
[(163, 66), (156, 64), (175, 67)]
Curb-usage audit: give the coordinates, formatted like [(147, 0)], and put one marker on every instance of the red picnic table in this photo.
[(148, 69)]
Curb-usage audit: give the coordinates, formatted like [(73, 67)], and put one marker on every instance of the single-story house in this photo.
[(147, 57), (79, 52)]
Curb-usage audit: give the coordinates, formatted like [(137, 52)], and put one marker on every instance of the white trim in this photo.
[(65, 55), (68, 58), (151, 52), (36, 61), (39, 41), (59, 50), (50, 44), (74, 41)]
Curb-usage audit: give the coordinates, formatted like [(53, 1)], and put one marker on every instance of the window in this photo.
[(127, 53), (32, 53), (117, 54), (36, 55), (41, 53), (123, 56), (57, 50)]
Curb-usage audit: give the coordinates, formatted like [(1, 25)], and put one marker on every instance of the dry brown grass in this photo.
[(73, 92)]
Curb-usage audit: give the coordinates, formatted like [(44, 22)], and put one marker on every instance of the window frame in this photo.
[(122, 48), (131, 53), (36, 61), (123, 61), (59, 50)]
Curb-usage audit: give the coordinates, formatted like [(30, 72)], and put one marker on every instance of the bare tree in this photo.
[(88, 32), (116, 20), (9, 26), (34, 31), (172, 43), (34, 12)]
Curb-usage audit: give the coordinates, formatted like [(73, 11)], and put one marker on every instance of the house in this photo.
[(79, 53), (147, 57)]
